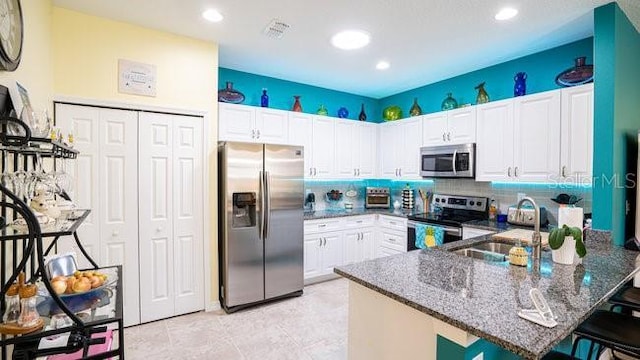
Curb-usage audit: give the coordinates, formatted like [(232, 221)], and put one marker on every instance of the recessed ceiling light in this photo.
[(212, 15), (382, 65), (506, 13), (350, 39)]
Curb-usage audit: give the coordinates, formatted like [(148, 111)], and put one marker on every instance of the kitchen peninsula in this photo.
[(408, 304)]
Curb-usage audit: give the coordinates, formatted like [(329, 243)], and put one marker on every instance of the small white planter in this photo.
[(567, 253)]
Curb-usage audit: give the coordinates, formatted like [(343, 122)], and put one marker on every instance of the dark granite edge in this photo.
[(518, 350)]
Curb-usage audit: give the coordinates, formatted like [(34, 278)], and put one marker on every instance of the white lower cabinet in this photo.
[(341, 241), (141, 175), (391, 235)]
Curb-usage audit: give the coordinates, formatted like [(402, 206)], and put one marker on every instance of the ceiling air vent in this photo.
[(275, 29)]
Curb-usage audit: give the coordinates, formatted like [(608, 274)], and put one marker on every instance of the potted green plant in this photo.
[(565, 243)]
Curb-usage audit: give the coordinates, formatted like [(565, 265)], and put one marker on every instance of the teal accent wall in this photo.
[(281, 95), (616, 118), (541, 68), (448, 350)]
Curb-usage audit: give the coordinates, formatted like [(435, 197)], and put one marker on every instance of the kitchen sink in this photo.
[(482, 255), (495, 247)]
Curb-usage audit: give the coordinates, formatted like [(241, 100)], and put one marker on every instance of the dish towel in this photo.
[(428, 236)]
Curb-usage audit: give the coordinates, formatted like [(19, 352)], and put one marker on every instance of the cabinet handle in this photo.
[(115, 233), (515, 172), (392, 222), (310, 171), (315, 172), (325, 242), (509, 172), (392, 239), (258, 134), (444, 137), (358, 172), (449, 136), (253, 134), (400, 172), (320, 243), (322, 225), (564, 168), (355, 172)]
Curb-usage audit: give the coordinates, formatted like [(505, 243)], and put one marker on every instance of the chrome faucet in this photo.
[(536, 238)]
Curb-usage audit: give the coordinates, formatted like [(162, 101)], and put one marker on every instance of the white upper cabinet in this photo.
[(494, 144), (355, 149), (317, 135), (323, 147), (518, 140), (537, 137), (452, 127), (252, 124), (576, 147), (272, 126), (400, 143)]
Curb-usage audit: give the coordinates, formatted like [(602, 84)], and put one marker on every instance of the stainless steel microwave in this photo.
[(451, 161)]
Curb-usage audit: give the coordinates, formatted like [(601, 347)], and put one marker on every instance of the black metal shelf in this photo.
[(58, 229), (23, 250)]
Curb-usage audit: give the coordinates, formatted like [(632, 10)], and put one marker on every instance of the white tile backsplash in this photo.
[(505, 194)]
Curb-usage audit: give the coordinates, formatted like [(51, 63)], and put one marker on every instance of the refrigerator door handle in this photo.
[(262, 206), (267, 201)]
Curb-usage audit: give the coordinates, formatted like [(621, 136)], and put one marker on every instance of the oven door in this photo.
[(448, 161), (451, 234), (377, 202)]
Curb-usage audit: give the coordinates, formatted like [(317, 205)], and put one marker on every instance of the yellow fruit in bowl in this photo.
[(81, 285)]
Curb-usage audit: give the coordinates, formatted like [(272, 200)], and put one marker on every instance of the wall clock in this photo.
[(11, 34)]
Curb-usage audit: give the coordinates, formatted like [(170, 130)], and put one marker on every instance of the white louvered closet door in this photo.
[(105, 181), (171, 239)]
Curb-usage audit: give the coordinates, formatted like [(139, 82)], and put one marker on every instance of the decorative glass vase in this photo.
[(230, 95), (296, 104), (482, 97), (343, 113), (322, 111), (415, 109), (362, 116), (520, 87), (449, 103), (264, 99)]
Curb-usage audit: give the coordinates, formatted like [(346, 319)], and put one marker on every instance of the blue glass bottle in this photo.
[(264, 99)]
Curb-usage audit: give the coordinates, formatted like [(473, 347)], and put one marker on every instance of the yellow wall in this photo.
[(86, 50), (35, 71)]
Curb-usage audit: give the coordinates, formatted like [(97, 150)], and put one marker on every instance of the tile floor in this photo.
[(313, 326)]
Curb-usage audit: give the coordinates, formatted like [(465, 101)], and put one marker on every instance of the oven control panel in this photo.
[(461, 202)]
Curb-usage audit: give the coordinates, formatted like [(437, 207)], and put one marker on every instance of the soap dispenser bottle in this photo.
[(493, 210)]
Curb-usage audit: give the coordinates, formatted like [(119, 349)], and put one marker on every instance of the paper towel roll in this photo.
[(570, 216)]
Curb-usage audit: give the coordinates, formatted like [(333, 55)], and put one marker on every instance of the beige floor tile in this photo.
[(312, 326)]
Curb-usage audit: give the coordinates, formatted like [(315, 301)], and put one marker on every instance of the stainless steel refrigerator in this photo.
[(260, 190)]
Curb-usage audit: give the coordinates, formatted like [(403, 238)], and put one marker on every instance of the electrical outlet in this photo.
[(479, 357)]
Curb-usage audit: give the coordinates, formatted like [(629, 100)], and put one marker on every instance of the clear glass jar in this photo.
[(12, 313), (28, 313)]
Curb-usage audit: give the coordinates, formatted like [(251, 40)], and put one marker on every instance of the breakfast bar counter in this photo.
[(429, 293)]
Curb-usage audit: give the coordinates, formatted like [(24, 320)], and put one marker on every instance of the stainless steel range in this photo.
[(452, 211)]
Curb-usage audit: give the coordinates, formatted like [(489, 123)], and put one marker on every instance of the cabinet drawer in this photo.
[(359, 221), (315, 226), (393, 222), (385, 251), (393, 240)]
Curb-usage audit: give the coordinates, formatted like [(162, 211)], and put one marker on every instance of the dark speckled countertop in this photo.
[(326, 214), (483, 298)]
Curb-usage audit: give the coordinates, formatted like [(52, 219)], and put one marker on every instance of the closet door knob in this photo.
[(159, 229), (115, 233)]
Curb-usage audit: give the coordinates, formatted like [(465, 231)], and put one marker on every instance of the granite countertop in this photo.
[(498, 227), (326, 214), (483, 298)]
